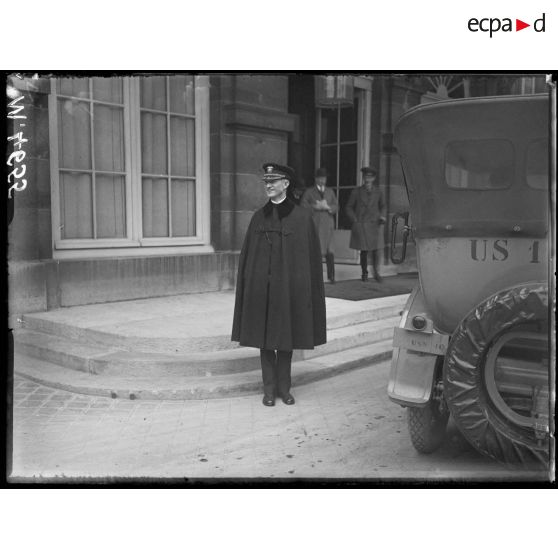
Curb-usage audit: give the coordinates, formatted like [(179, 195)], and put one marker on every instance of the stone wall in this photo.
[(43, 285), (29, 234), (249, 125), (37, 282)]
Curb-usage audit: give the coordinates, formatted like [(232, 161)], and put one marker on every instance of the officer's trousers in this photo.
[(364, 261), (276, 371)]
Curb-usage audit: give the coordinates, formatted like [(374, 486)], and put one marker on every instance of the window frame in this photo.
[(134, 243)]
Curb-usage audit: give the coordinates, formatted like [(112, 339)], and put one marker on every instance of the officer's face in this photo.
[(321, 180), (369, 180), (276, 188)]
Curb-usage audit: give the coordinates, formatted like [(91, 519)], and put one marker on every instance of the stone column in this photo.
[(30, 234)]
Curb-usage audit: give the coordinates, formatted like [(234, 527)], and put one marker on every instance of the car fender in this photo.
[(415, 356)]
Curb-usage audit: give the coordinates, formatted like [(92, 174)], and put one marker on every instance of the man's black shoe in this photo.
[(364, 277), (268, 400), (288, 399)]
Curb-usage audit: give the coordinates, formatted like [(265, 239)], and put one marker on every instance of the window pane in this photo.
[(76, 213), (75, 87), (537, 164), (349, 122), (155, 207), (110, 206), (108, 125), (328, 159), (479, 164), (329, 125), (183, 207), (183, 154), (107, 89), (347, 165), (153, 143), (153, 93), (74, 136), (181, 93)]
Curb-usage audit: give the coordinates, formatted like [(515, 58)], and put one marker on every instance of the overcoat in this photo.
[(365, 210), (280, 300), (323, 219)]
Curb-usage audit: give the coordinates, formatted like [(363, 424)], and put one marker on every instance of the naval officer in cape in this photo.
[(280, 301)]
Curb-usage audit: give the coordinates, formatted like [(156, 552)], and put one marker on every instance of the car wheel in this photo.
[(427, 427)]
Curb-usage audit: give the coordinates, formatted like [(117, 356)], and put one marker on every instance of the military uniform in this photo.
[(280, 300), (366, 208)]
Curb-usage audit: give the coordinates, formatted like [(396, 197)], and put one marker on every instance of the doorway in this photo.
[(343, 147)]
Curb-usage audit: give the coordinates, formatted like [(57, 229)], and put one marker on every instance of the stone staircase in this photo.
[(89, 360)]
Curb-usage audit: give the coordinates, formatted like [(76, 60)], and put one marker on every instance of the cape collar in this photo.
[(283, 209)]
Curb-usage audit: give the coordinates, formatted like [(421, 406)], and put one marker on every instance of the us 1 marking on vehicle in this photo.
[(498, 250)]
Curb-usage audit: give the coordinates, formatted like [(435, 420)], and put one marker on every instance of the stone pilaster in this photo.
[(250, 124)]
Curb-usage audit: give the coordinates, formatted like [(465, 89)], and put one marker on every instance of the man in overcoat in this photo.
[(366, 208), (280, 301), (322, 201)]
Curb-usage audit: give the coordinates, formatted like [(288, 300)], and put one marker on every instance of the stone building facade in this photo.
[(141, 186)]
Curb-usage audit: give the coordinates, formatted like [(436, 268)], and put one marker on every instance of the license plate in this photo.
[(433, 343)]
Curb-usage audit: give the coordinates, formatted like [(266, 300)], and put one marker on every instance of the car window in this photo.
[(536, 166), (486, 164)]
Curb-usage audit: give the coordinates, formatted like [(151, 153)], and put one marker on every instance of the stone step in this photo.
[(244, 383), (183, 340), (107, 361), (355, 335), (368, 311), (58, 350)]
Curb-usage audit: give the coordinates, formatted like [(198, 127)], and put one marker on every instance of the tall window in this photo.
[(91, 158), (168, 156), (339, 152), (130, 161)]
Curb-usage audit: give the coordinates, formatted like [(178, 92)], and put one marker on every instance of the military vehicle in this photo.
[(473, 342)]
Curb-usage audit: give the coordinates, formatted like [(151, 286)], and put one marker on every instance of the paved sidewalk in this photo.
[(342, 427)]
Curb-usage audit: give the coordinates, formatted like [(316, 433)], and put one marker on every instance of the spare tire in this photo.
[(471, 391)]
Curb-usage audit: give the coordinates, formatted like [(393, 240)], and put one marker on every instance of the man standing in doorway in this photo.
[(322, 202), (280, 299), (365, 208)]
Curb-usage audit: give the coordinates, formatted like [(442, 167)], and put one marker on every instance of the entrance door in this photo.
[(342, 147)]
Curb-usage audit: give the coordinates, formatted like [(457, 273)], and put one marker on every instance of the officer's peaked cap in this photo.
[(274, 171), (369, 170)]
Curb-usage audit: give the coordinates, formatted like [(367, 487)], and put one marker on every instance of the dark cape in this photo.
[(280, 300)]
